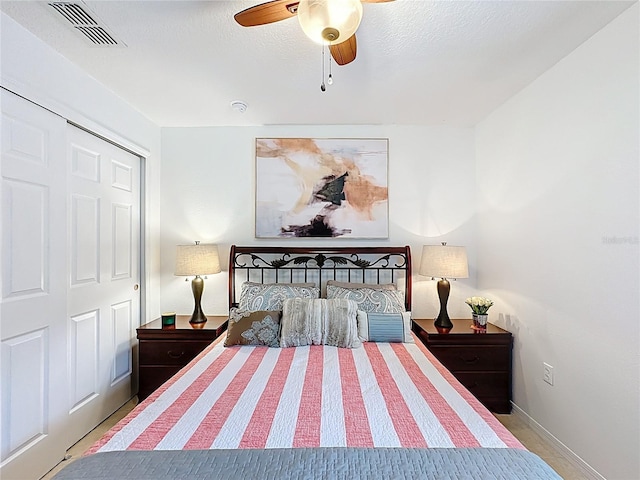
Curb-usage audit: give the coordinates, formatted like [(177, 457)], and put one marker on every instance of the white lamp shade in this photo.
[(444, 261), (320, 19), (197, 260)]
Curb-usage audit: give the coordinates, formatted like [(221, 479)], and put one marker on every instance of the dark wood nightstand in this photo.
[(165, 350), (480, 361)]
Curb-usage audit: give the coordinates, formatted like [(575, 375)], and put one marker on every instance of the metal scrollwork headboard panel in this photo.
[(371, 265)]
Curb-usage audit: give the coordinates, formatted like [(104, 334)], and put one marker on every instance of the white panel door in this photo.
[(104, 293), (33, 326)]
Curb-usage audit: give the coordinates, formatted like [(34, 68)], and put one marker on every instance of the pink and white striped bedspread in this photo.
[(379, 395)]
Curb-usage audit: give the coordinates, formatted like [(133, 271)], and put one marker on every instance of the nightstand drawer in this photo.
[(474, 357), (169, 352), (485, 384), (152, 377)]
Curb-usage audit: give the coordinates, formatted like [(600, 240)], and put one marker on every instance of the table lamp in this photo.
[(444, 262), (196, 260)]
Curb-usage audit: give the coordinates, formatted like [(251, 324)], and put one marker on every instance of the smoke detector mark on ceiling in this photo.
[(239, 106), (87, 24)]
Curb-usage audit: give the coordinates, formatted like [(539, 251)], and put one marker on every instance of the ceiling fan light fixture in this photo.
[(329, 21)]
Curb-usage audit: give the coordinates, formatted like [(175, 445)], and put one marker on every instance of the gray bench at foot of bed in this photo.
[(311, 463)]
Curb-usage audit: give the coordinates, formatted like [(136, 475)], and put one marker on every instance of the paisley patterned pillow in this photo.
[(375, 286), (269, 296), (253, 328), (370, 299)]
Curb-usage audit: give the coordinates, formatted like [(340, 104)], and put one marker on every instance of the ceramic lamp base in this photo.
[(197, 285), (443, 323)]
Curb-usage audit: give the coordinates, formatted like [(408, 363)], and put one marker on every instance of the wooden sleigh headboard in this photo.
[(371, 265)]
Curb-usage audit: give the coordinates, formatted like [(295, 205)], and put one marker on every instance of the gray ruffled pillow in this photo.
[(319, 322)]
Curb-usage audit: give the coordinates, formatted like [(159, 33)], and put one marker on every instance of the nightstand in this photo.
[(480, 361), (165, 350)]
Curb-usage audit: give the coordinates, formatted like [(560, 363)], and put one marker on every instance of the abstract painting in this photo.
[(322, 188)]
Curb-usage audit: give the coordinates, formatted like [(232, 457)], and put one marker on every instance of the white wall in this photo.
[(555, 242), (35, 71), (208, 195), (558, 230)]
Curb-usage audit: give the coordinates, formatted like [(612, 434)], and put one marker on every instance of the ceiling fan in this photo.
[(328, 22)]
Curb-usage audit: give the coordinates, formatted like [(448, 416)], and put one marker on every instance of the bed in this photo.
[(318, 376)]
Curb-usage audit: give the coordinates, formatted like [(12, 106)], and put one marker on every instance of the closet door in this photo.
[(33, 327), (70, 255), (104, 293)]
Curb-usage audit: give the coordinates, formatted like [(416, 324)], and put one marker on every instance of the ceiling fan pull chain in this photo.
[(330, 79), (322, 86)]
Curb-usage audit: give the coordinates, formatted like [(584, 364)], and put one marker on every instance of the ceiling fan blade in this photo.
[(268, 12), (344, 52)]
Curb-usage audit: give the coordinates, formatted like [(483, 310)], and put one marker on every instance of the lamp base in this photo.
[(443, 322), (443, 326), (198, 317), (197, 285)]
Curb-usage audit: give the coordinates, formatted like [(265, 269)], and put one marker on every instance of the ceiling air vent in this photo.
[(86, 23)]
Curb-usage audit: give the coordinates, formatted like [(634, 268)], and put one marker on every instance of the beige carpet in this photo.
[(538, 445)]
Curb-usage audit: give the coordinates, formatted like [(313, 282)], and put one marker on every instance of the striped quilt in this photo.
[(379, 395)]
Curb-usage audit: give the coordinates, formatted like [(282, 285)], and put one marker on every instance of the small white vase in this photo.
[(479, 321)]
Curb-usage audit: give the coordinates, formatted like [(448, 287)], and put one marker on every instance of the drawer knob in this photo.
[(470, 361), (172, 354)]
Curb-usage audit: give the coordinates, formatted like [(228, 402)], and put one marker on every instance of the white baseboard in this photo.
[(561, 448)]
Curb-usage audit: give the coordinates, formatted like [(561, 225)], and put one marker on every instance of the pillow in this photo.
[(253, 328), (269, 296), (385, 327), (370, 300), (319, 322), (341, 323), (375, 286)]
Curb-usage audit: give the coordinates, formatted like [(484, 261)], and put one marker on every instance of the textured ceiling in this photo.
[(419, 62)]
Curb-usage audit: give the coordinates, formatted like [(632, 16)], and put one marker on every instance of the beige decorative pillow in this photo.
[(319, 322), (253, 328)]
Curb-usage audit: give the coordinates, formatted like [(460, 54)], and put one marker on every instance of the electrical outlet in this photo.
[(547, 373)]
